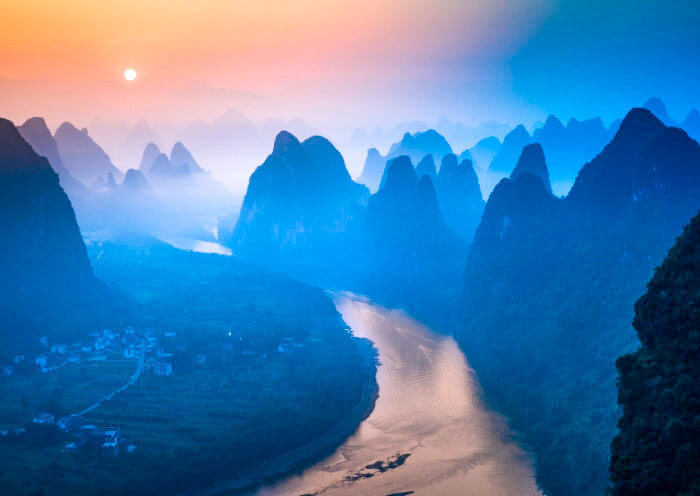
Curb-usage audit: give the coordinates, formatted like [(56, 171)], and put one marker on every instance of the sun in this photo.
[(129, 74)]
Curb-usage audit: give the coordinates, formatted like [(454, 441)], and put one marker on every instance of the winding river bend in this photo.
[(429, 433)]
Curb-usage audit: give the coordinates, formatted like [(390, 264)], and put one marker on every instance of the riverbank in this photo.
[(292, 461), (429, 433)]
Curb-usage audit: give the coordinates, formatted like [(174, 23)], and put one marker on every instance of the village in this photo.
[(151, 351)]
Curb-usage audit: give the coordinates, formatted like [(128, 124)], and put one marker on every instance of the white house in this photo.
[(111, 438), (41, 361), (163, 368), (44, 418), (129, 351)]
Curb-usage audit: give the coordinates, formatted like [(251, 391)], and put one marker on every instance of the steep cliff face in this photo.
[(532, 160), (46, 278), (460, 197), (372, 171), (558, 278), (296, 200), (657, 449), (426, 167), (405, 239)]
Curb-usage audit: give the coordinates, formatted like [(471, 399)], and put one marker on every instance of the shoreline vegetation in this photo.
[(299, 459)]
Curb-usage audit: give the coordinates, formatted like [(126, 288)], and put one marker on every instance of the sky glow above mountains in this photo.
[(379, 60)]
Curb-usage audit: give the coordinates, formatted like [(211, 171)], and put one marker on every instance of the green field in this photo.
[(208, 421)]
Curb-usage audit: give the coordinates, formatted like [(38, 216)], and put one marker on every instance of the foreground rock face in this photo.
[(657, 450), (45, 273), (551, 284)]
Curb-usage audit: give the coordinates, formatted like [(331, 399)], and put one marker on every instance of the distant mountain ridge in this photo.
[(84, 158), (415, 146), (37, 134)]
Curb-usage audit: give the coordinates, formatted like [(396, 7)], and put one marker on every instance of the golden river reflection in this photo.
[(429, 433)]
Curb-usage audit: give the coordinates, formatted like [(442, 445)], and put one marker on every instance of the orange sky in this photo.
[(253, 45)]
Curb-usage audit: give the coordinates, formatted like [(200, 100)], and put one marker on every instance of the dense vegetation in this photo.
[(550, 288), (657, 450), (247, 403)]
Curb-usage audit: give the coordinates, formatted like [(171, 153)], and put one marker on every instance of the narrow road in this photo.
[(134, 378)]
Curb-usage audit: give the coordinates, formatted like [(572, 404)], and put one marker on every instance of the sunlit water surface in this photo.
[(199, 246), (429, 408)]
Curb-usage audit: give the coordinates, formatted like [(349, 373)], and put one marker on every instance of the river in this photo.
[(429, 433)]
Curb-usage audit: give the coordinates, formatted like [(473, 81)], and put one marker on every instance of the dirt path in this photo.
[(134, 378)]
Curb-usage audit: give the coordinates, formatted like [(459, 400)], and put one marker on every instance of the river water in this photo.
[(429, 433)]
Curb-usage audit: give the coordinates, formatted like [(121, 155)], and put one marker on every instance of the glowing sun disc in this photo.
[(129, 74)]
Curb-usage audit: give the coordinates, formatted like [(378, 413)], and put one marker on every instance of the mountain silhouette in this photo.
[(37, 134), (47, 284), (569, 147), (506, 158), (484, 151), (82, 156), (532, 160), (135, 181), (296, 201), (559, 277), (691, 124), (426, 166), (404, 238), (658, 108), (163, 170), (373, 170), (460, 197), (150, 153), (417, 145), (179, 155)]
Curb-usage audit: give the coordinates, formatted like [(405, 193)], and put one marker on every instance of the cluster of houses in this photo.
[(58, 355), (155, 350), (98, 348), (85, 435)]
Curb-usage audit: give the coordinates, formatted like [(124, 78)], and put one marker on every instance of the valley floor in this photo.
[(260, 365)]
